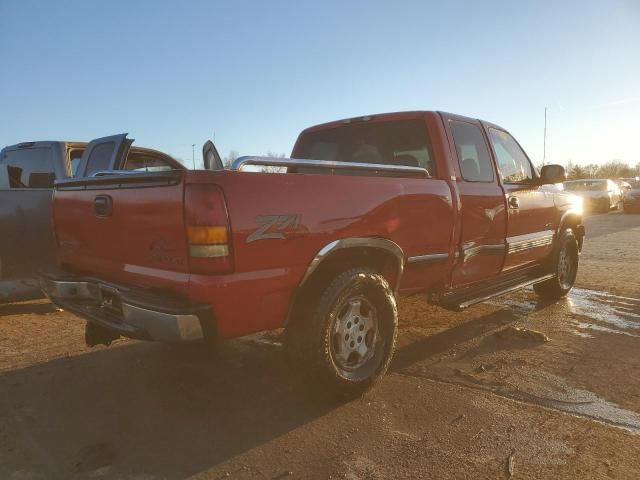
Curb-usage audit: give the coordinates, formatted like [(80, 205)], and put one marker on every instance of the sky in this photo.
[(253, 74)]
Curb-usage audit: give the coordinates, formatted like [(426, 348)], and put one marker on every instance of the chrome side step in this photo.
[(504, 291)]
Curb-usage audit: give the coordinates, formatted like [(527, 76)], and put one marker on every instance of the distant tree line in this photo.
[(613, 169)]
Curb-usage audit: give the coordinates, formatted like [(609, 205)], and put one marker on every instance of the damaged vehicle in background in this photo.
[(368, 209), (632, 195), (598, 195), (28, 171)]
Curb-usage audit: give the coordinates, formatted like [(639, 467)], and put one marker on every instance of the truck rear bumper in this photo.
[(128, 313)]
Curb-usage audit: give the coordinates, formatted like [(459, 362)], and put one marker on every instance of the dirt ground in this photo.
[(469, 395)]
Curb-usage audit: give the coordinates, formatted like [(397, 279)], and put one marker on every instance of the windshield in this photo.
[(402, 142), (587, 185)]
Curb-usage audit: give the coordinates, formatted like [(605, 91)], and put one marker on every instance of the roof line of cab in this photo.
[(403, 115)]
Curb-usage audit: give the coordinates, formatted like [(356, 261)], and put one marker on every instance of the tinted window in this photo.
[(27, 168), (402, 142), (100, 158), (473, 154), (513, 163)]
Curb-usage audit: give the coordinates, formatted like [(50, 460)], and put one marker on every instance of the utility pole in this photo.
[(544, 140), (193, 155)]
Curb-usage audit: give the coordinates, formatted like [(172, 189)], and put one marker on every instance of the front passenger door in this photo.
[(530, 206)]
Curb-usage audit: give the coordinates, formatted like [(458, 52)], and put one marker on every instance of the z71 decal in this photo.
[(274, 226)]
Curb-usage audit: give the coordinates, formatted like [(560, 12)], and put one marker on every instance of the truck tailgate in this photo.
[(127, 229)]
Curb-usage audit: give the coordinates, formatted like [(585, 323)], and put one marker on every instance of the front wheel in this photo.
[(565, 268), (348, 343)]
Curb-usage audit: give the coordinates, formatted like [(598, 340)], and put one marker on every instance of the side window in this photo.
[(513, 163), (27, 168), (473, 154), (74, 160), (100, 158)]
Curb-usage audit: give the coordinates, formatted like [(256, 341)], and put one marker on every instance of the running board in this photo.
[(460, 302)]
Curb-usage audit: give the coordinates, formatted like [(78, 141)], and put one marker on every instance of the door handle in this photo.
[(514, 202), (103, 205)]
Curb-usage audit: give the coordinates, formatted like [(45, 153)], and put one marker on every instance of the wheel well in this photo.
[(378, 260), (574, 222)]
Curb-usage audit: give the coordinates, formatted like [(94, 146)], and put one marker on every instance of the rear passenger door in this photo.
[(482, 203), (104, 154), (531, 218)]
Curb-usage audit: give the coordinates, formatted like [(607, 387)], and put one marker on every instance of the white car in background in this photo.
[(598, 194)]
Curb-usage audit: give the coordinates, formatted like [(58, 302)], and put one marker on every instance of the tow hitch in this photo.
[(95, 334)]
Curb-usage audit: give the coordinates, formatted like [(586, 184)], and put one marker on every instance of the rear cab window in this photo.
[(394, 142), (27, 168)]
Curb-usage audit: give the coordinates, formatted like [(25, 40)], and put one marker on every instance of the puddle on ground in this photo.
[(588, 310), (512, 375), (587, 404)]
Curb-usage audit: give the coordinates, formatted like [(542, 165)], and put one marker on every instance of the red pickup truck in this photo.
[(321, 244)]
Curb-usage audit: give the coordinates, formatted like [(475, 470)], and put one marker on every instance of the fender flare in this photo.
[(376, 243), (580, 232)]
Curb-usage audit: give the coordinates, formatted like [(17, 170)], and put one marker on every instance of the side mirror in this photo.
[(550, 174)]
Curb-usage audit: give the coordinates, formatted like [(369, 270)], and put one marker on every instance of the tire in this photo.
[(564, 265), (345, 342)]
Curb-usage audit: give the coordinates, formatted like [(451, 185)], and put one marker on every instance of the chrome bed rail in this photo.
[(242, 162)]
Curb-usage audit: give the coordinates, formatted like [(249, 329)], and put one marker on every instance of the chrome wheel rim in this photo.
[(565, 268), (354, 333)]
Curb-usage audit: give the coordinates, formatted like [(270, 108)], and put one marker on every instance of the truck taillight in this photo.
[(208, 233)]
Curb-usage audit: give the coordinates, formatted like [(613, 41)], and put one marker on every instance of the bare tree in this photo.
[(228, 160), (275, 169)]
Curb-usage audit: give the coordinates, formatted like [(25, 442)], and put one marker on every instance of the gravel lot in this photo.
[(469, 395)]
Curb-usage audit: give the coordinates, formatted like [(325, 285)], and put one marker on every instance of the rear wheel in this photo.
[(346, 342), (565, 268)]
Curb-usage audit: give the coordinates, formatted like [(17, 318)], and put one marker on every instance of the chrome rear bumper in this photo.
[(119, 309)]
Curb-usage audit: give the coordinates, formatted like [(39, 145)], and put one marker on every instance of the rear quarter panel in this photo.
[(414, 213)]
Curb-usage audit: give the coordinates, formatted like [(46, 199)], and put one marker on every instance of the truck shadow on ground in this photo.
[(138, 408), (27, 308)]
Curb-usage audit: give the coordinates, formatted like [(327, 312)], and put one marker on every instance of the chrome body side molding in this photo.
[(428, 258), (521, 243), (376, 243), (398, 170)]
